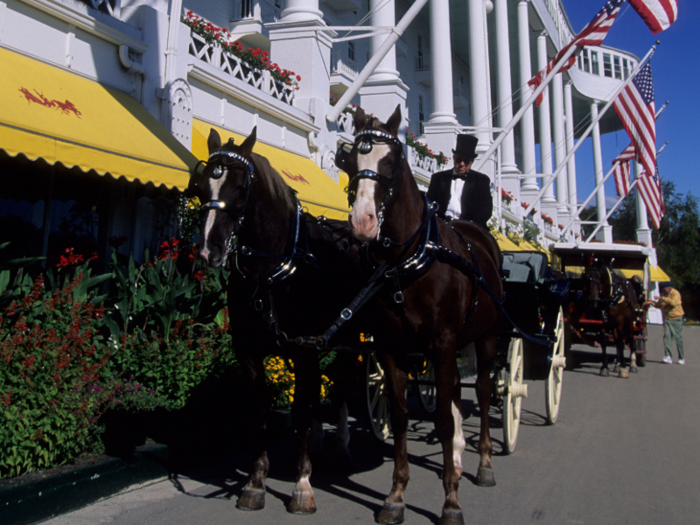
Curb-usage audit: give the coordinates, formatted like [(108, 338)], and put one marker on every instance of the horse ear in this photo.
[(394, 121), (247, 146), (360, 120), (214, 140)]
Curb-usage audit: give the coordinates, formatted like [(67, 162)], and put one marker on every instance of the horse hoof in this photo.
[(485, 477), (251, 499), (634, 370), (451, 517), (604, 372), (390, 514), (624, 374), (616, 369), (302, 503)]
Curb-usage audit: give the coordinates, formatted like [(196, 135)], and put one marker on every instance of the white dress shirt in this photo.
[(454, 208)]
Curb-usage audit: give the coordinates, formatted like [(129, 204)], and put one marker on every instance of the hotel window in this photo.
[(586, 60), (351, 50), (595, 65), (421, 115), (607, 65), (626, 68), (420, 64), (618, 67)]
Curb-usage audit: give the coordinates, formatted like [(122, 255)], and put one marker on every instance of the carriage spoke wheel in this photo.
[(377, 398), (426, 386), (514, 391), (556, 373)]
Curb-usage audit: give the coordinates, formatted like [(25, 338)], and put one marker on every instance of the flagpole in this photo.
[(618, 90), (514, 121), (619, 201), (581, 208)]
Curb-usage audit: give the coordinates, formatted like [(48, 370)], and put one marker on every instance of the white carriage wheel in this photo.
[(377, 398), (556, 373), (427, 389), (515, 390)]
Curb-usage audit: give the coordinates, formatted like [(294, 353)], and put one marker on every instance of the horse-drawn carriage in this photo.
[(607, 296), (531, 346)]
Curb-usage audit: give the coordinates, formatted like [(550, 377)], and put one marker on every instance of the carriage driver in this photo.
[(462, 193)]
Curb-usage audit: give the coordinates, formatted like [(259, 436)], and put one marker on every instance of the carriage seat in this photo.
[(525, 267)]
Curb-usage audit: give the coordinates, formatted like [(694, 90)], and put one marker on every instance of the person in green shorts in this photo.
[(670, 304)]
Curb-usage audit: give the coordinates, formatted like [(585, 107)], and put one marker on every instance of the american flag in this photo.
[(650, 190), (622, 170), (591, 35), (636, 109), (658, 14)]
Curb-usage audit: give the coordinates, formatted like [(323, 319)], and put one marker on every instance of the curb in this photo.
[(23, 502)]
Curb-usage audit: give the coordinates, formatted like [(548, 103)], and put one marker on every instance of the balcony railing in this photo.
[(343, 65), (265, 10), (425, 163), (239, 69), (346, 123)]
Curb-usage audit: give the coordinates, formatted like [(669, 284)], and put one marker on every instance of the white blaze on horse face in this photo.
[(215, 186), (363, 217), (458, 443)]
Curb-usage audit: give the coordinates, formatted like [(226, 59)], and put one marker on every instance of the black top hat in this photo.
[(466, 146)]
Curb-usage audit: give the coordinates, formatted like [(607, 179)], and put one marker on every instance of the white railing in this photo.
[(265, 10), (346, 123), (343, 65), (270, 11), (239, 69), (417, 161)]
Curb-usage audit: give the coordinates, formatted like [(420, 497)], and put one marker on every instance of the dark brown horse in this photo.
[(291, 275), (436, 301), (613, 300)]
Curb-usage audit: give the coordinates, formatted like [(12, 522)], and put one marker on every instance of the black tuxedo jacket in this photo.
[(477, 204)]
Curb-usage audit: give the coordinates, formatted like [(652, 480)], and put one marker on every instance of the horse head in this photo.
[(376, 166), (224, 188), (599, 284)]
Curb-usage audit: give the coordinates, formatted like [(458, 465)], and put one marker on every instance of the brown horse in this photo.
[(291, 275), (435, 301), (613, 300)]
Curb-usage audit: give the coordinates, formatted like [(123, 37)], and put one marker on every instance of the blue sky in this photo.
[(676, 70)]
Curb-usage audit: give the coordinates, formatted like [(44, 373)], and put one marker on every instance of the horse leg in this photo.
[(486, 355), (343, 457), (449, 427), (392, 511), (620, 343), (253, 496), (604, 368), (307, 386)]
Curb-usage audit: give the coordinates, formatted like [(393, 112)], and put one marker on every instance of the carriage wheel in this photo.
[(377, 398), (556, 373), (640, 349), (514, 392), (426, 386)]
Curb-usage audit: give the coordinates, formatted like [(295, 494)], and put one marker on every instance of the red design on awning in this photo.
[(66, 107), (296, 178)]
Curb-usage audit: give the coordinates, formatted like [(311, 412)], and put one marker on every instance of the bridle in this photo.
[(237, 212), (364, 141)]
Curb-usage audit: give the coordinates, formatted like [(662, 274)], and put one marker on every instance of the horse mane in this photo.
[(272, 182)]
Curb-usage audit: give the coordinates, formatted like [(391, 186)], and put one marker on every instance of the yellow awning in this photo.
[(657, 274), (315, 189), (506, 244), (628, 274), (58, 116)]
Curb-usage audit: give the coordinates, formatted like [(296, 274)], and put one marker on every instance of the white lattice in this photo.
[(346, 123), (417, 161)]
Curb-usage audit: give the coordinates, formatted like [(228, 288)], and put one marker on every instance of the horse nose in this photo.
[(211, 258)]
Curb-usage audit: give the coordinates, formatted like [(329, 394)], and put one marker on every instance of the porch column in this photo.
[(301, 11), (442, 127), (505, 89), (548, 199), (605, 234), (571, 167), (384, 89), (480, 76), (527, 123), (643, 230), (560, 149)]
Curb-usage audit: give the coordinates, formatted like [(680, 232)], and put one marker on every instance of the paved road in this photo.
[(623, 451)]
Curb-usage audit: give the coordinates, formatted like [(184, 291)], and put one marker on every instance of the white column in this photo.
[(480, 77), (548, 199), (606, 230), (505, 101), (527, 123), (301, 11), (571, 168), (441, 63), (560, 148), (643, 230), (384, 89)]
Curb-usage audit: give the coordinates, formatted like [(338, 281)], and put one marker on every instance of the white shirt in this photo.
[(454, 208)]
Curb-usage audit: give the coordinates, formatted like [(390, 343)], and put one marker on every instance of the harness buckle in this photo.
[(245, 250), (386, 242), (398, 297), (346, 314), (258, 305)]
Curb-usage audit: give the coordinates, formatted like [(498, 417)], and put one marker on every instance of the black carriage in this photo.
[(625, 260), (531, 347)]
